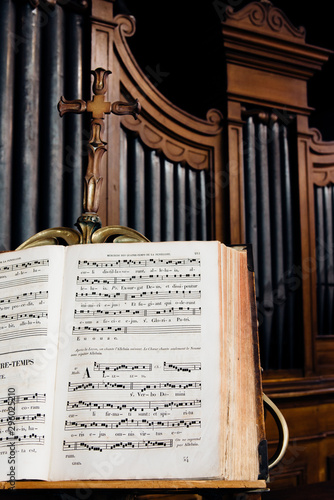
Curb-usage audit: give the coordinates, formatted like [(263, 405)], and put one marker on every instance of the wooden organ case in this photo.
[(255, 174)]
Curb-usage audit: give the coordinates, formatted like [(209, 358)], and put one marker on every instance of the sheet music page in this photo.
[(138, 382), (30, 291)]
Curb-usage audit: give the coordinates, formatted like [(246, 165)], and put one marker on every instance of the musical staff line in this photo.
[(136, 330), (23, 297), (22, 350), (112, 445), (24, 315), (138, 279), (22, 440), (29, 332), (25, 398), (130, 424), (131, 405), (29, 280), (151, 295), (24, 265), (37, 418), (181, 367), (84, 264), (137, 386), (104, 367), (172, 311)]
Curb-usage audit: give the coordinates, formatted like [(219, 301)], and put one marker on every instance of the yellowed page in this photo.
[(30, 291), (240, 459), (138, 383)]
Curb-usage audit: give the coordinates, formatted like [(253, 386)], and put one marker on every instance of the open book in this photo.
[(129, 361)]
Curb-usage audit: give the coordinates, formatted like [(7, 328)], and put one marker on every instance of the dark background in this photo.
[(178, 44)]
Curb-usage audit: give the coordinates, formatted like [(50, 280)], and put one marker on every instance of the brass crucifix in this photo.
[(89, 223), (98, 107)]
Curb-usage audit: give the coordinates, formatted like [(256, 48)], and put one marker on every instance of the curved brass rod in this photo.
[(283, 431), (121, 234), (52, 236)]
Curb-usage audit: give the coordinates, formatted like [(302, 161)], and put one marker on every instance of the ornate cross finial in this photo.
[(98, 107), (89, 223)]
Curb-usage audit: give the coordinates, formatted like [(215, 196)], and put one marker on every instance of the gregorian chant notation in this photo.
[(25, 315), (20, 334), (37, 418), (181, 367), (140, 278), (126, 423), (26, 439), (113, 445), (29, 280), (131, 405), (146, 313), (82, 264), (148, 295), (24, 265), (24, 297), (25, 398), (138, 386), (135, 330), (122, 367)]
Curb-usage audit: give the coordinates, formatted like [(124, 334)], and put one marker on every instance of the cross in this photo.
[(98, 107)]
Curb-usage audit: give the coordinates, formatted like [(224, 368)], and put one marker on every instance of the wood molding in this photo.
[(316, 168), (174, 149), (140, 484), (264, 16), (288, 477), (301, 387), (161, 126), (321, 158), (268, 61), (307, 252), (150, 98)]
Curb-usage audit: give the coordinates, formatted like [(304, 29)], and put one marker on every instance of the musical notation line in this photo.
[(136, 330), (126, 423), (24, 315), (131, 405), (181, 367), (24, 265), (23, 297), (172, 311), (151, 278), (29, 332), (25, 398), (122, 367), (22, 440), (112, 445), (22, 350), (137, 386), (38, 418), (151, 295), (29, 280), (84, 264)]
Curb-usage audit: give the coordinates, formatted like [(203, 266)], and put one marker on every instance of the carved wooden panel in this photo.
[(318, 231), (268, 66), (185, 145), (311, 441)]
